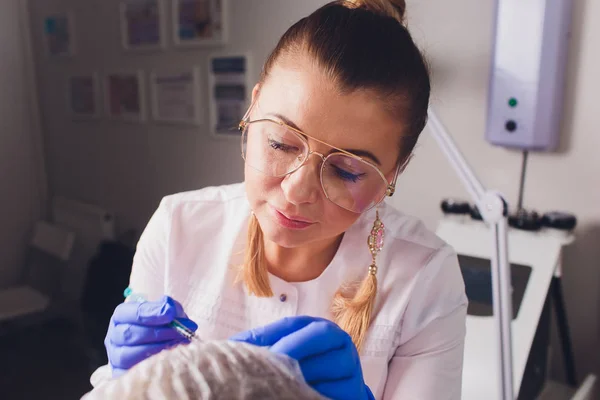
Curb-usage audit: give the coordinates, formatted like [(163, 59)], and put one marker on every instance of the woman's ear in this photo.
[(255, 92), (393, 175), (408, 159)]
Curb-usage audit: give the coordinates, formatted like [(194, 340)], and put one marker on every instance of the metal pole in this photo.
[(457, 161), (491, 206), (506, 309)]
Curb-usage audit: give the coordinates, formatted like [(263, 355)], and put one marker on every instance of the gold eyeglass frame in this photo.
[(390, 187)]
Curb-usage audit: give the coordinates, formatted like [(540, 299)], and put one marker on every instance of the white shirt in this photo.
[(194, 243)]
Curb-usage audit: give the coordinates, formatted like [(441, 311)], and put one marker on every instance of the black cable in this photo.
[(563, 330), (522, 184)]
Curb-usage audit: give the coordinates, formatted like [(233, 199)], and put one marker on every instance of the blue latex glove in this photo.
[(328, 359), (139, 330)]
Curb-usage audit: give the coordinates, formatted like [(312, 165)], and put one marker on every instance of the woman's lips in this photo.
[(291, 222)]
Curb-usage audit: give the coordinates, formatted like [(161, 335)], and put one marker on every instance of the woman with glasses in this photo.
[(304, 257)]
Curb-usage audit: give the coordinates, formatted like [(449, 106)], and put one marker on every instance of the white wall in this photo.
[(21, 163), (456, 36), (128, 167)]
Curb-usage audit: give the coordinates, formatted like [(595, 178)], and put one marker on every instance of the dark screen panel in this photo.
[(477, 274)]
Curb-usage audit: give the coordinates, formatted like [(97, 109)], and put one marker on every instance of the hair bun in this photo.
[(391, 8)]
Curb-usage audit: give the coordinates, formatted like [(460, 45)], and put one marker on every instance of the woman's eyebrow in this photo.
[(286, 121), (363, 154), (357, 152)]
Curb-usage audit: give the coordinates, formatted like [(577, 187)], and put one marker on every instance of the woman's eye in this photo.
[(281, 146), (347, 176)]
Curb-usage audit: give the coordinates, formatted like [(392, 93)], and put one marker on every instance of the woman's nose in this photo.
[(303, 185)]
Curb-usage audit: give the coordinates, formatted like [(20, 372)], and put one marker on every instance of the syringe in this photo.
[(175, 324)]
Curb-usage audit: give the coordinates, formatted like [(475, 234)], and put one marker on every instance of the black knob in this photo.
[(475, 214), (525, 220), (511, 126), (451, 206), (559, 220)]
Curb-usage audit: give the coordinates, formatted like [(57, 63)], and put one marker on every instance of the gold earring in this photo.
[(375, 241)]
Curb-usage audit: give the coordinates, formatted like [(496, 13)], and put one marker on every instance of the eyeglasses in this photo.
[(277, 149)]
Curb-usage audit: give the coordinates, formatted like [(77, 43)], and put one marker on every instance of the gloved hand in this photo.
[(139, 330), (328, 359)]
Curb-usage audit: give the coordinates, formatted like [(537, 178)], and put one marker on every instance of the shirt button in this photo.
[(283, 297)]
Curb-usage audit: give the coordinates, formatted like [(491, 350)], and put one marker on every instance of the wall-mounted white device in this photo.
[(528, 70)]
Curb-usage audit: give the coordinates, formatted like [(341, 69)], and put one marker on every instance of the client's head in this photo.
[(210, 371)]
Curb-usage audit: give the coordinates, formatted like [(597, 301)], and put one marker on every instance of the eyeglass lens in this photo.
[(276, 151)]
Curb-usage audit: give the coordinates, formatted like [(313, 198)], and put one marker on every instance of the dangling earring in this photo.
[(353, 312), (375, 241)]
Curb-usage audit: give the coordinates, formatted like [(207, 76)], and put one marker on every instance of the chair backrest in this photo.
[(50, 250), (53, 240), (92, 225)]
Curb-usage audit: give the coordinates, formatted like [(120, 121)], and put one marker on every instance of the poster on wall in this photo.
[(199, 22), (124, 94), (58, 33), (83, 96), (175, 96), (229, 93), (142, 24)]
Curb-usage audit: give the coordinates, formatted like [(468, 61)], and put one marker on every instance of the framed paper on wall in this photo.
[(176, 96), (229, 93), (83, 96), (124, 96), (142, 24), (59, 35), (200, 22)]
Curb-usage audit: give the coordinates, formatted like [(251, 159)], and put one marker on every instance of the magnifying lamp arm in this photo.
[(492, 206)]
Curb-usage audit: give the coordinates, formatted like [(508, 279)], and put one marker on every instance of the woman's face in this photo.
[(293, 211)]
